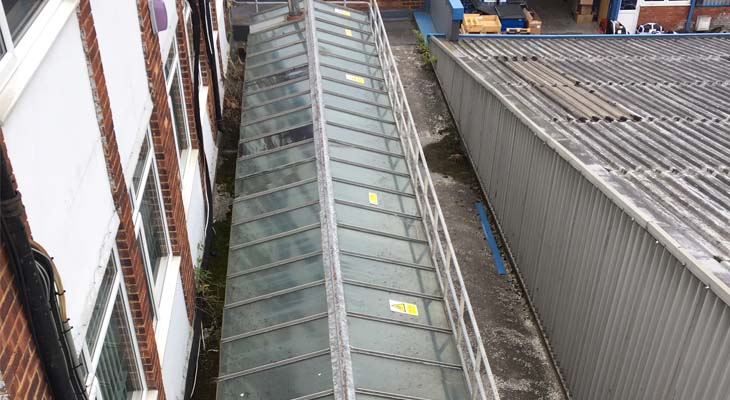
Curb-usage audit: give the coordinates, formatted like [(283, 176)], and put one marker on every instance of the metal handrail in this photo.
[(475, 360)]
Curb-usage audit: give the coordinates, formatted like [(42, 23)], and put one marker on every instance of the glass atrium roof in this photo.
[(326, 228)]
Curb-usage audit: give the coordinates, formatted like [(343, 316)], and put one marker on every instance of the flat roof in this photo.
[(649, 116)]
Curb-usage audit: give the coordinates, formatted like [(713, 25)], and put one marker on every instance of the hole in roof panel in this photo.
[(278, 123), (384, 247), (274, 279), (275, 224), (286, 382), (275, 250), (278, 54), (393, 275), (367, 58), (372, 110), (255, 99), (404, 341), (386, 201), (352, 78), (379, 221), (288, 75), (408, 378), (275, 178), (354, 89), (350, 66), (340, 36), (377, 303), (356, 121), (274, 311), (279, 106), (271, 142), (371, 158), (276, 67), (300, 152), (290, 197), (370, 177), (258, 38), (276, 346), (363, 139)]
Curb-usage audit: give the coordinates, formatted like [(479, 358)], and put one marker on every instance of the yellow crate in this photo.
[(475, 23)]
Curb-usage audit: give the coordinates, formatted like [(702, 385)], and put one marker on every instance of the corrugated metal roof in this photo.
[(651, 115), (293, 272)]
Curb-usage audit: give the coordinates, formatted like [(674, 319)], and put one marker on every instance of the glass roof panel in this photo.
[(339, 36), (274, 279), (371, 177), (376, 303), (275, 54), (269, 142), (386, 200), (390, 145), (384, 247), (357, 121), (389, 274), (275, 79), (257, 98), (277, 123), (372, 110), (275, 178), (274, 224), (277, 41), (378, 160), (297, 195), (352, 78), (351, 67), (258, 38), (353, 89), (339, 29), (327, 47), (356, 15), (384, 222), (275, 67), (275, 250), (271, 160)]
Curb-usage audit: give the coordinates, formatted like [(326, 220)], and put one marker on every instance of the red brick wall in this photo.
[(20, 364), (670, 17), (166, 155), (131, 260), (720, 15)]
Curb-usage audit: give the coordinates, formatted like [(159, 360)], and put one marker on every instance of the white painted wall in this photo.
[(120, 46), (166, 37), (54, 145), (175, 359), (225, 46), (211, 150), (196, 218)]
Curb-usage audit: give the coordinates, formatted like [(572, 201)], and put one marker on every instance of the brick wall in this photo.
[(130, 257), (720, 15), (20, 364), (670, 17), (166, 155)]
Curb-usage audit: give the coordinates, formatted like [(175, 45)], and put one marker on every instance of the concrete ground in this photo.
[(557, 18), (519, 358)]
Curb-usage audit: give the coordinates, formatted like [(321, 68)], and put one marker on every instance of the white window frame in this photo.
[(176, 74), (154, 285), (660, 3), (92, 360)]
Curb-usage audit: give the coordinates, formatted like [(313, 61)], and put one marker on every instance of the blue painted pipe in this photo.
[(689, 16), (496, 255)]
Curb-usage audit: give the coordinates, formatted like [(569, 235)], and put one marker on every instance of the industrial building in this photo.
[(108, 127)]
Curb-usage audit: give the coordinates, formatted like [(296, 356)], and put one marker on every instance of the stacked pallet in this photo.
[(583, 11), (476, 23)]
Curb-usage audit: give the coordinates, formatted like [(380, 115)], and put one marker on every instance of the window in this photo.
[(15, 18), (149, 220), (664, 2), (176, 101), (110, 350)]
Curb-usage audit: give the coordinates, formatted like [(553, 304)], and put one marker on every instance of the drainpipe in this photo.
[(688, 24)]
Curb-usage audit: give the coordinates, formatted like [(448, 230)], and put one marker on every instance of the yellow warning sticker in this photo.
[(342, 12), (403, 307), (355, 78), (373, 198), (348, 32)]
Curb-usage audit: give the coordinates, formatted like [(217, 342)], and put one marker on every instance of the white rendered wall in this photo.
[(120, 46), (195, 217), (54, 145), (211, 150), (166, 37), (175, 359), (225, 46)]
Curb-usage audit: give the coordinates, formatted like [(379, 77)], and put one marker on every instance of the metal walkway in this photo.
[(342, 281)]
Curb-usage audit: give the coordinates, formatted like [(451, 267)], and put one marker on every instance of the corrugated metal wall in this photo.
[(625, 318)]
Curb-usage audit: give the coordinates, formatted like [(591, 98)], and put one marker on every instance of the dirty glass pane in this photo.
[(329, 49), (275, 250), (276, 67), (273, 179), (280, 53), (276, 107), (350, 66), (288, 75), (279, 123), (384, 247), (356, 121), (386, 201), (363, 139), (408, 379), (358, 15), (376, 303), (352, 78), (276, 159), (263, 37), (389, 274), (274, 43), (340, 19), (275, 346), (285, 382), (353, 90), (246, 209), (275, 224), (273, 311), (377, 160), (403, 340), (100, 305), (339, 36), (323, 25), (268, 15), (273, 279), (252, 100), (380, 221), (363, 108), (293, 135), (370, 177)]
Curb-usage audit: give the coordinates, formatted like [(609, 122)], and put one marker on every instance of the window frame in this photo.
[(663, 3), (91, 361), (176, 74), (15, 52)]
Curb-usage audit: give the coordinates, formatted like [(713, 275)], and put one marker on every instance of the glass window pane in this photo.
[(280, 123), (275, 224), (376, 303), (100, 306), (292, 74), (289, 136), (356, 15), (272, 160), (153, 224), (276, 42), (335, 34), (269, 56), (255, 99), (257, 38), (297, 195), (368, 58), (350, 66), (373, 178), (170, 60), (384, 247), (378, 160), (144, 152), (380, 222), (374, 111), (386, 201), (356, 121), (274, 179), (275, 250), (273, 279), (256, 113), (363, 139), (20, 14), (117, 371), (276, 67), (417, 280), (179, 116), (342, 20), (353, 90), (347, 77), (324, 26)]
